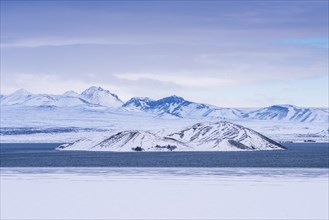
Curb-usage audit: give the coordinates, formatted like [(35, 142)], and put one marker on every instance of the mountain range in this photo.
[(172, 106)]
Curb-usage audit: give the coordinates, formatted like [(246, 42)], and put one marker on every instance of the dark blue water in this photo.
[(305, 155)]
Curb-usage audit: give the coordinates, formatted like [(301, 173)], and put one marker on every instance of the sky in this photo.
[(226, 53)]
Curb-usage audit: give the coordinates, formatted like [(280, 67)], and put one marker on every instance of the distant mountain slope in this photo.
[(25, 98), (289, 113), (219, 136), (179, 107), (71, 93), (94, 96)]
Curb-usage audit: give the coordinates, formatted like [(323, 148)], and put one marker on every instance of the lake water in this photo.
[(304, 155)]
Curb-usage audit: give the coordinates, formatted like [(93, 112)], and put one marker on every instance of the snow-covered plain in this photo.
[(164, 193), (101, 118)]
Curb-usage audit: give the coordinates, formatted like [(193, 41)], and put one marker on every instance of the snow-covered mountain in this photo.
[(289, 113), (99, 96), (179, 107), (94, 96), (172, 107), (219, 136)]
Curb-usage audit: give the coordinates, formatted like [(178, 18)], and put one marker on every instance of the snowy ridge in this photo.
[(219, 136)]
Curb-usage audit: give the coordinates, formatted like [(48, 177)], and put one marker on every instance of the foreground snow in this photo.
[(165, 193)]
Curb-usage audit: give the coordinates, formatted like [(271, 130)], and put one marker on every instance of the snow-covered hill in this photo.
[(224, 135), (219, 136)]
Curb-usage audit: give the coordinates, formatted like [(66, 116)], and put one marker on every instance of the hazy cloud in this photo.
[(218, 52)]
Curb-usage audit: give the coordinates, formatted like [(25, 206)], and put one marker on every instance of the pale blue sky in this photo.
[(226, 53)]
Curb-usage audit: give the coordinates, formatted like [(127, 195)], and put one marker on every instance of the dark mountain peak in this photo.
[(172, 99), (282, 106), (138, 102)]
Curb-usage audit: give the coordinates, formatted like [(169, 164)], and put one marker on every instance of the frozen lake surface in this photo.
[(164, 193)]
